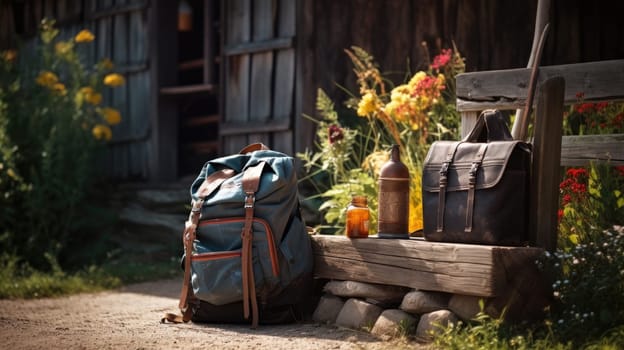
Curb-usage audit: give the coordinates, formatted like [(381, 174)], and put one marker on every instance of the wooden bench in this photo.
[(506, 276)]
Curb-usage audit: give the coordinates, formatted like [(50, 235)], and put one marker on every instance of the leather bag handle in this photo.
[(490, 126), (259, 146)]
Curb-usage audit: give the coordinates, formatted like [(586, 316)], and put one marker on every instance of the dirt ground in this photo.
[(129, 318)]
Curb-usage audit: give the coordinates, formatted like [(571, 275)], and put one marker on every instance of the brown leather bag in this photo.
[(477, 190)]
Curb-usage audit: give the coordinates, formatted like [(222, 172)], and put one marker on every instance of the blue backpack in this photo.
[(246, 248)]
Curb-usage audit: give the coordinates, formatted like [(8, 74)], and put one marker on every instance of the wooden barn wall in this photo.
[(490, 34), (281, 51)]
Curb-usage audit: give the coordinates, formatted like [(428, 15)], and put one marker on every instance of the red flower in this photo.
[(600, 106), (580, 95), (585, 108), (576, 172), (559, 214), (335, 133), (566, 199), (428, 86), (442, 59), (620, 169), (578, 188), (565, 183)]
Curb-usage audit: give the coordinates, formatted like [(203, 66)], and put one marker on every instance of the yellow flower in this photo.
[(111, 115), (59, 89), (84, 36), (12, 174), (441, 80), (9, 55), (106, 64), (114, 79), (91, 95), (63, 47), (368, 104), (101, 131), (418, 77), (400, 105), (374, 161), (47, 78), (415, 211)]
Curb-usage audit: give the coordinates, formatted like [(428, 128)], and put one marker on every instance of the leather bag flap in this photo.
[(490, 171)]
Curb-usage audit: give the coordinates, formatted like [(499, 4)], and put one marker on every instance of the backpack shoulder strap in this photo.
[(251, 182), (210, 184)]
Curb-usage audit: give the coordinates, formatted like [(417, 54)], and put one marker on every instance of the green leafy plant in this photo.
[(52, 124), (588, 285), (486, 332), (347, 159)]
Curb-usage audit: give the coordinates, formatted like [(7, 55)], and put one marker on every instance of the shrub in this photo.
[(588, 285), (52, 123)]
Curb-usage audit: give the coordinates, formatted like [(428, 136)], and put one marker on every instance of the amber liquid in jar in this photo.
[(358, 218)]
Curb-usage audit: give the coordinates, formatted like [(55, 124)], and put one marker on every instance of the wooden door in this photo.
[(258, 74)]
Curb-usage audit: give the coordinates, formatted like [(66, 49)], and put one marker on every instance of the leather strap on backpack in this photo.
[(210, 184), (251, 182)]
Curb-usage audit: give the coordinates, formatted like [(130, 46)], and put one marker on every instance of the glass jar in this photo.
[(358, 218)]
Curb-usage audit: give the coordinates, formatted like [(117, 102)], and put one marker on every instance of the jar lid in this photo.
[(359, 200)]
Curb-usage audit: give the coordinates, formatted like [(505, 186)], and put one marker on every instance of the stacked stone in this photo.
[(390, 311)]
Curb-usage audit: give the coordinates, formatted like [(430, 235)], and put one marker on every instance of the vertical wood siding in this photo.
[(121, 34), (259, 74)]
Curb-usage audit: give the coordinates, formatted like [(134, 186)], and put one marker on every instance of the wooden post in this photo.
[(546, 164), (468, 121)]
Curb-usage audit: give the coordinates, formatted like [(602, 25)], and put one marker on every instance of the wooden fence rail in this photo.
[(506, 89)]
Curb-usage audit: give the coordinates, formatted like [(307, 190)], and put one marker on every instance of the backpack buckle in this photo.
[(250, 200)]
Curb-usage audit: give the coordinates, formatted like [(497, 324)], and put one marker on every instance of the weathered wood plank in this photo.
[(305, 84), (110, 11), (546, 165), (237, 69), (233, 144), (258, 46), (283, 142), (580, 150), (119, 98), (284, 76), (603, 80), (455, 268), (468, 121), (238, 128), (261, 65)]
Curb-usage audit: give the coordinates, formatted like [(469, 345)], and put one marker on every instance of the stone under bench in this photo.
[(392, 286)]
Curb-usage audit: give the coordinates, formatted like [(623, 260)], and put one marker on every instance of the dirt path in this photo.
[(130, 319)]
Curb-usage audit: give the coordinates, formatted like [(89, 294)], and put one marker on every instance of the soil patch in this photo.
[(129, 318)]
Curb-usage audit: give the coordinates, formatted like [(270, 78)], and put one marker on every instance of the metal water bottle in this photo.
[(393, 211)]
